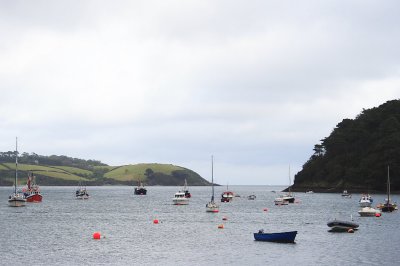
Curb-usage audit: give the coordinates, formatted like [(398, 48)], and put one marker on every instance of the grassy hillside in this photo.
[(137, 171), (150, 174)]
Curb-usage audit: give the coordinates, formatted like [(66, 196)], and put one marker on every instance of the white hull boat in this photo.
[(180, 199), (16, 199), (212, 206), (365, 201), (368, 211), (280, 201)]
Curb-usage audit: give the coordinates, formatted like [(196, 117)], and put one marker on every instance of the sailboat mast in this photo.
[(290, 182), (212, 177), (16, 165), (388, 187)]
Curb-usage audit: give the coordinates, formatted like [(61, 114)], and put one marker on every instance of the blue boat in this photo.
[(283, 237)]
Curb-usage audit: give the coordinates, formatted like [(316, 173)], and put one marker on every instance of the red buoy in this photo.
[(96, 235), (155, 221), (378, 214), (221, 226), (215, 210)]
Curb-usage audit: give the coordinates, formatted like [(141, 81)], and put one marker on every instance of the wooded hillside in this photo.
[(356, 155)]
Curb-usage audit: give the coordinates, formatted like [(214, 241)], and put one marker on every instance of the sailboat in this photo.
[(388, 206), (16, 199), (186, 190), (289, 197), (212, 206)]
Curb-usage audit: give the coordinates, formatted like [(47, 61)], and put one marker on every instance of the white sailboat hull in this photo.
[(212, 207), (16, 201)]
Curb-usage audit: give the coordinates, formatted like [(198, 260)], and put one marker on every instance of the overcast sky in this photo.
[(255, 83)]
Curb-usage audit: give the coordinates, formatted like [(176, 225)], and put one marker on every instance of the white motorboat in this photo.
[(288, 198), (368, 211), (280, 201), (180, 198), (345, 194), (365, 201)]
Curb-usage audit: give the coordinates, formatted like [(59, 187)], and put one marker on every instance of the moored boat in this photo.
[(227, 196), (16, 199), (289, 197), (32, 191), (186, 190), (365, 200), (212, 206), (251, 197), (81, 193), (282, 237), (345, 194), (342, 226), (180, 199), (280, 201), (368, 211), (140, 189), (388, 205)]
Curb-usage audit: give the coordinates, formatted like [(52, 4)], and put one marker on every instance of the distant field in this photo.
[(31, 167), (109, 168), (61, 175), (136, 172), (56, 172), (74, 170), (2, 167)]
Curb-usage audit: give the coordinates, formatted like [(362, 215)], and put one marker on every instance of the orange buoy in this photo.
[(96, 235), (224, 219), (378, 214), (155, 221), (221, 226), (350, 231)]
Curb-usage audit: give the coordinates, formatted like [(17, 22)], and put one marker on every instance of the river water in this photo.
[(59, 230)]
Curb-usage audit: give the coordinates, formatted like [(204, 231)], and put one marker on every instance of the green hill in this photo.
[(356, 155), (71, 171)]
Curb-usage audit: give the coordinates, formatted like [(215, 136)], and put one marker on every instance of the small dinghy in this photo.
[(342, 226), (283, 237)]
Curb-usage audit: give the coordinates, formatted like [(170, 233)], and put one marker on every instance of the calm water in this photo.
[(59, 230)]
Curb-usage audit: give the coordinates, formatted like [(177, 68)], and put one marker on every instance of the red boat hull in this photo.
[(34, 198)]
